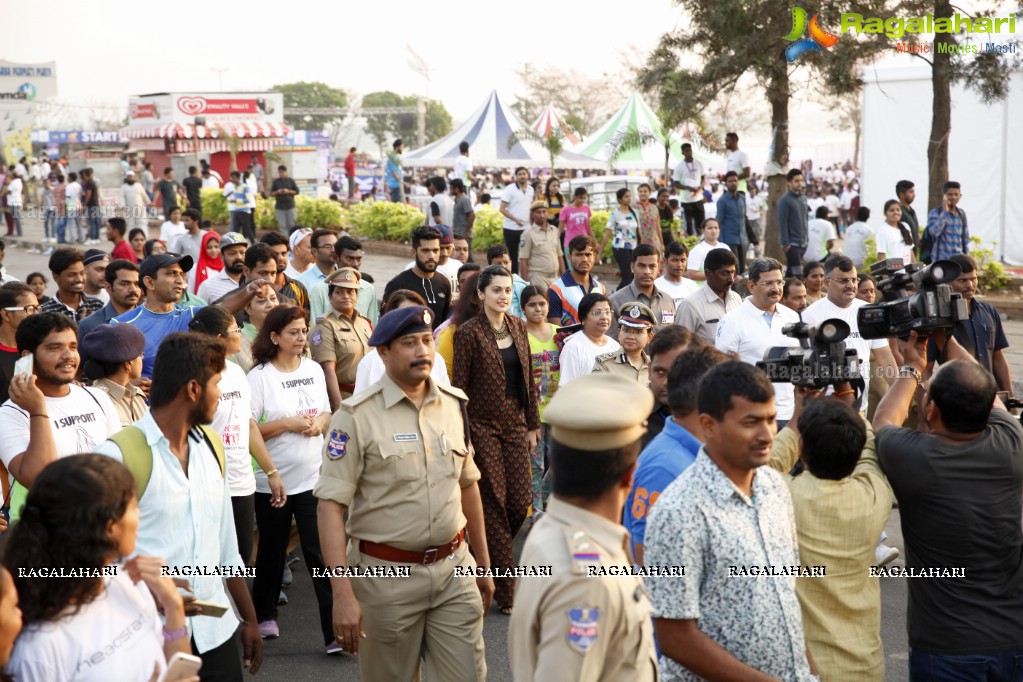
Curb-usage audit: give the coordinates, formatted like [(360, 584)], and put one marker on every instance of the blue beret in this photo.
[(113, 343), (407, 320)]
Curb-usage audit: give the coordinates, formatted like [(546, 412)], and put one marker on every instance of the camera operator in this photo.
[(842, 502), (841, 302), (981, 334), (959, 488)]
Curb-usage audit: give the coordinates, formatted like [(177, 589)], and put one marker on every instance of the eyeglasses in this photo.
[(236, 330), (29, 309), (600, 313), (845, 281)]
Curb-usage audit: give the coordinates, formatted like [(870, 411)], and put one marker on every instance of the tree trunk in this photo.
[(941, 116), (778, 97)]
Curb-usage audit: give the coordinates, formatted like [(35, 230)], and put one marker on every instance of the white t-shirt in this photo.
[(813, 204), (82, 419), (117, 636), (231, 421), (856, 236), (834, 205), (753, 206), (737, 161), (579, 355), (689, 174), (103, 296), (518, 206), (824, 309), (170, 231), (698, 254), (847, 197), (445, 206), (15, 189), (746, 331), (73, 195), (293, 272), (819, 231), (677, 290), (371, 368), (463, 168), (889, 241), (279, 395)]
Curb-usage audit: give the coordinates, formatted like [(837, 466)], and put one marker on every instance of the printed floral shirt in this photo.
[(702, 521), (649, 225)]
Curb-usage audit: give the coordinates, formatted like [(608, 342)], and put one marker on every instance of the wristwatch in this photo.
[(909, 370)]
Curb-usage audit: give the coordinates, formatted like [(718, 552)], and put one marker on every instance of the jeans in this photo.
[(286, 219), (351, 186), (49, 221), (1005, 666), (16, 218), (94, 220), (511, 240), (623, 257), (274, 533), (395, 193)]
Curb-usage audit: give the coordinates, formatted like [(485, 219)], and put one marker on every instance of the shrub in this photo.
[(990, 272), (310, 212), (381, 220), (487, 229)]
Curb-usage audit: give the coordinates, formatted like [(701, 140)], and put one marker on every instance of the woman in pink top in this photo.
[(574, 220)]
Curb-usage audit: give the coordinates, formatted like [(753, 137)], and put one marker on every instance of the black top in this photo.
[(7, 360), (168, 190), (90, 184), (284, 202), (666, 219), (435, 291), (512, 372), (193, 190)]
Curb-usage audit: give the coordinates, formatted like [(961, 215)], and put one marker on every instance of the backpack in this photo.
[(138, 456)]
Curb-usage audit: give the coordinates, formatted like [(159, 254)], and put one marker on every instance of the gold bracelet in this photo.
[(271, 473)]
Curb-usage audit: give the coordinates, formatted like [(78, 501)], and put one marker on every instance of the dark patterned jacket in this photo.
[(479, 371)]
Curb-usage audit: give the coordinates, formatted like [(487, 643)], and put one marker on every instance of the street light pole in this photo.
[(220, 77)]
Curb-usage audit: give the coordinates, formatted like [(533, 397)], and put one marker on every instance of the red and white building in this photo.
[(176, 129)]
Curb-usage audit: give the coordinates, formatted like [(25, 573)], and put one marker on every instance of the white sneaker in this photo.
[(885, 554)]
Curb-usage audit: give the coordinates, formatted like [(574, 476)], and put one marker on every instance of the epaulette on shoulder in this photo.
[(583, 549), (610, 355), (362, 396), (453, 390)]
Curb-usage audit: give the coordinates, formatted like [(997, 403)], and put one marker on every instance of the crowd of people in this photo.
[(192, 409)]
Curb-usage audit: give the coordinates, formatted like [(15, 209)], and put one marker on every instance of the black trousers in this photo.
[(223, 664), (623, 258), (274, 532), (740, 252), (692, 217), (244, 507), (794, 261), (511, 240)]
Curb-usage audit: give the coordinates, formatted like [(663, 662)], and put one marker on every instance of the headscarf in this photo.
[(207, 266)]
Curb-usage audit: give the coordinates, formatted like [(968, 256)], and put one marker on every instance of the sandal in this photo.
[(506, 610)]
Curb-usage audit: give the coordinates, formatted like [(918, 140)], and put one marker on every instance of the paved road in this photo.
[(298, 655)]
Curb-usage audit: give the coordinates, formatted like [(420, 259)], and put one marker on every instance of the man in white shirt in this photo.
[(301, 252), (737, 160), (856, 236), (820, 236), (442, 209), (15, 197), (841, 302), (208, 181), (515, 201), (222, 283), (48, 416), (463, 165), (756, 325), (689, 178), (673, 282), (184, 512)]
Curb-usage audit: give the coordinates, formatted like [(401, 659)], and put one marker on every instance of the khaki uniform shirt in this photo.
[(129, 401), (573, 626), (617, 362), (662, 305), (542, 251), (342, 340), (399, 469)]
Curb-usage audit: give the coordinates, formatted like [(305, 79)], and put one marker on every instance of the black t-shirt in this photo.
[(284, 201), (90, 185), (961, 508), (168, 189), (7, 360), (193, 187), (666, 219), (435, 291)]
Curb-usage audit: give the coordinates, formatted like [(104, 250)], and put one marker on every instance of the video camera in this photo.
[(932, 306), (820, 360)]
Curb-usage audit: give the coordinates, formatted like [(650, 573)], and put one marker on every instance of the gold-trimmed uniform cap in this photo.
[(599, 412), (538, 204), (637, 315), (347, 278)]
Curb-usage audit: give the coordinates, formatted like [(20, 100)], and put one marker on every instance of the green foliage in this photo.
[(214, 206), (313, 94), (382, 220), (990, 272), (310, 212), (871, 257), (385, 128), (487, 229)]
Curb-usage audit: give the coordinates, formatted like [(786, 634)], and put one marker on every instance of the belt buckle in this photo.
[(430, 556)]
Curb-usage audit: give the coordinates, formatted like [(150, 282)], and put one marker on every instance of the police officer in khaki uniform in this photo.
[(636, 323), (398, 459), (341, 338), (540, 249), (571, 625)]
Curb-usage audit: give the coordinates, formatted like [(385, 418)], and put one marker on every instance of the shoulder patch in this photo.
[(337, 445), (522, 242), (316, 338), (583, 627)]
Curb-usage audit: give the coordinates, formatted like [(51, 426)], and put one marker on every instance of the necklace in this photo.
[(501, 332)]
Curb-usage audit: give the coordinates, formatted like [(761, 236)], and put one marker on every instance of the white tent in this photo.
[(985, 145), (487, 131), (550, 120)]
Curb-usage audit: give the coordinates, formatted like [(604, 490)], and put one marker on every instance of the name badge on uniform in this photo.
[(582, 628), (405, 437), (666, 317), (337, 445)]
